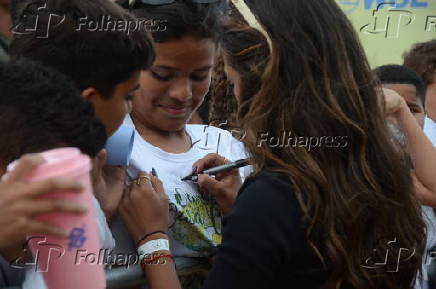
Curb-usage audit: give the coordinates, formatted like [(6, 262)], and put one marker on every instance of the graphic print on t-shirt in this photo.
[(197, 223), (195, 226)]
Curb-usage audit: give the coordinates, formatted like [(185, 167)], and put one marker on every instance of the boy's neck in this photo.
[(169, 141)]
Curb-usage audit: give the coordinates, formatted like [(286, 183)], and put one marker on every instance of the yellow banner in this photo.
[(388, 28)]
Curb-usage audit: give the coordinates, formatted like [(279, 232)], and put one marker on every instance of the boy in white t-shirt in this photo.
[(197, 221), (171, 90), (195, 231)]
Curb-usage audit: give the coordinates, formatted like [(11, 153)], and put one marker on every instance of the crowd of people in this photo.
[(198, 91)]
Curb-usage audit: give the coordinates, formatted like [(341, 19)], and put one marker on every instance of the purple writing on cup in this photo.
[(119, 146)]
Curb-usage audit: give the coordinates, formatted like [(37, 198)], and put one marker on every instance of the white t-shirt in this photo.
[(430, 129), (34, 279), (196, 226)]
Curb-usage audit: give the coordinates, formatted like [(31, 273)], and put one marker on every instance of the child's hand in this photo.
[(394, 102), (21, 202), (145, 207), (224, 187), (108, 183)]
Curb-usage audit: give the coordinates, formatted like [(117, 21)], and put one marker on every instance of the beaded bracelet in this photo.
[(148, 235), (149, 261)]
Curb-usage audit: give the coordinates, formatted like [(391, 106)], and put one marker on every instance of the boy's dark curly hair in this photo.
[(422, 59), (41, 109)]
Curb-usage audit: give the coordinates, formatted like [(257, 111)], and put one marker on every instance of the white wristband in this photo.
[(153, 246)]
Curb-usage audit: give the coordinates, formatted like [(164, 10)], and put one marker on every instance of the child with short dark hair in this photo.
[(408, 84), (40, 109), (104, 63)]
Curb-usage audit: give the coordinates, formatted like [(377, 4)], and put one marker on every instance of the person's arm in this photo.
[(161, 275), (424, 195), (421, 150), (145, 210)]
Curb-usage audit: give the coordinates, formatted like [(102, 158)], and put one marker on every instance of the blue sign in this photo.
[(351, 5), (371, 4)]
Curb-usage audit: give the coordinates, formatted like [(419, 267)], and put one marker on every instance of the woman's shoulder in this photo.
[(268, 210), (269, 192), (267, 180)]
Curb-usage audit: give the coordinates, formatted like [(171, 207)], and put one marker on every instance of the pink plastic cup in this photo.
[(73, 262)]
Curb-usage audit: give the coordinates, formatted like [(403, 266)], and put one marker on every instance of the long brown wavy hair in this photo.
[(358, 199), (246, 50)]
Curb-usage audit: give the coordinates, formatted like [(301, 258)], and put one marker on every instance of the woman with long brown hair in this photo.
[(332, 206)]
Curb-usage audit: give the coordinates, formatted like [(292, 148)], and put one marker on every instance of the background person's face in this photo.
[(408, 92), (175, 85)]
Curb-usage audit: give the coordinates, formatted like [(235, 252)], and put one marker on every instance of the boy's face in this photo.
[(430, 99), (112, 111), (408, 92), (175, 85)]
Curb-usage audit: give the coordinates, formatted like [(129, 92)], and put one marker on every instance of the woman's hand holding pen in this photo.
[(223, 187)]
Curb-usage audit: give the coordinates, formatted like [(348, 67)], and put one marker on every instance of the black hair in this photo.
[(41, 109), (101, 58), (180, 18), (399, 74)]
